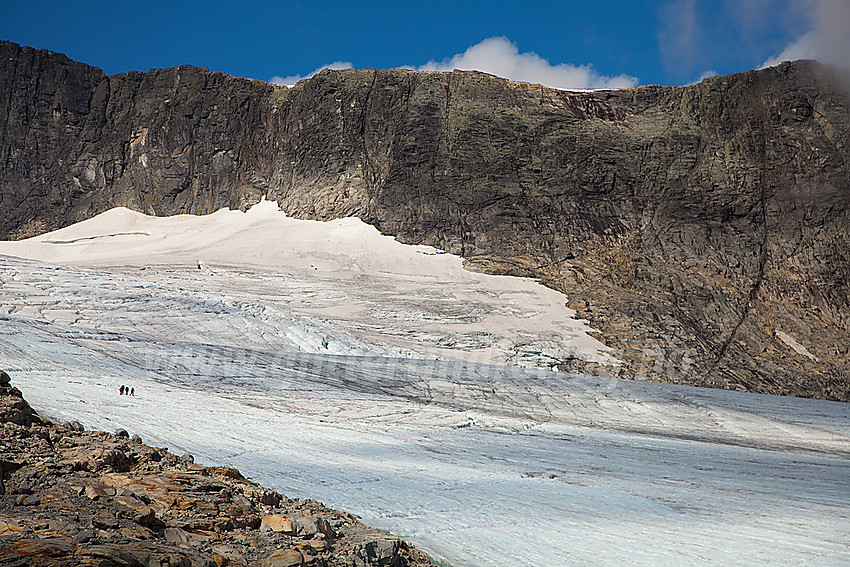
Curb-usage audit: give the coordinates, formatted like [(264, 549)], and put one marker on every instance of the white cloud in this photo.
[(499, 56), (829, 39), (804, 47), (705, 75), (292, 79)]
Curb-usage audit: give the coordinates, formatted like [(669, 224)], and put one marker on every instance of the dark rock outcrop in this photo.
[(702, 229), (70, 497)]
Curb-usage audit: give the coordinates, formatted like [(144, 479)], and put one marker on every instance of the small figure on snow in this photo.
[(132, 391), (121, 391)]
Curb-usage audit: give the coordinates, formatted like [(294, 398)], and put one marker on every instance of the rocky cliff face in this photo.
[(74, 497), (704, 230)]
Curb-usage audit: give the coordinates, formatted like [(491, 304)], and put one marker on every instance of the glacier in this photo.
[(329, 362)]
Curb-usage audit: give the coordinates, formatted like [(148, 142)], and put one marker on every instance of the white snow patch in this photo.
[(343, 273), (794, 345)]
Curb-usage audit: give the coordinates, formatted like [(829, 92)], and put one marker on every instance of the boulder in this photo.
[(10, 527), (14, 409), (304, 527), (277, 523), (104, 521), (84, 536), (383, 552), (29, 500), (97, 490), (114, 459), (325, 528), (177, 536), (283, 558), (147, 517)]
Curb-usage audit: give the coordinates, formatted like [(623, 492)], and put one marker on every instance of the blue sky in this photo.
[(561, 43)]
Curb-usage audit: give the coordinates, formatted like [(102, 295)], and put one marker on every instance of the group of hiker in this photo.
[(124, 390)]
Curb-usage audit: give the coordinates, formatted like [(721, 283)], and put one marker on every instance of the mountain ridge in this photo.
[(694, 226)]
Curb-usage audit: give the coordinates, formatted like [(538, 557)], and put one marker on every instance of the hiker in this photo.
[(132, 391), (121, 391)]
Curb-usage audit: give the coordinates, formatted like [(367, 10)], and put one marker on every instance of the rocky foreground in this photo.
[(75, 497)]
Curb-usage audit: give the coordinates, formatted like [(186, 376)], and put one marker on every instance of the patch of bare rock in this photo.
[(75, 497)]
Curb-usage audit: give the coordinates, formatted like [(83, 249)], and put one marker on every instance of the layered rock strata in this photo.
[(702, 229), (75, 497)]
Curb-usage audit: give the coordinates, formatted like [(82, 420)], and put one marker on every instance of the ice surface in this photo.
[(314, 381)]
